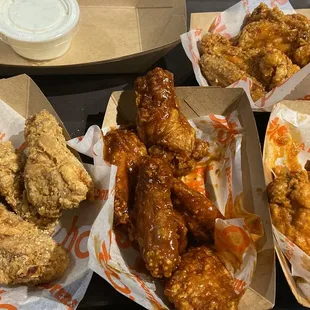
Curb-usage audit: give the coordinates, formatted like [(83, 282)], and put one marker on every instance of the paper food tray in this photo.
[(114, 36), (302, 107), (200, 101)]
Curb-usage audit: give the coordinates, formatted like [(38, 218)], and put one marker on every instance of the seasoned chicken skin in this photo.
[(156, 228), (161, 126), (223, 64), (54, 178), (12, 187), (201, 282), (199, 212), (289, 33), (27, 254), (11, 169), (289, 196), (125, 150)]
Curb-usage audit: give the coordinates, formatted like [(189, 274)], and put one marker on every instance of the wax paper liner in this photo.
[(228, 24), (293, 125), (111, 253), (72, 232)]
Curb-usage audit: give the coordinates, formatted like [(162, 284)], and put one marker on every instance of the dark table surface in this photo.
[(81, 101)]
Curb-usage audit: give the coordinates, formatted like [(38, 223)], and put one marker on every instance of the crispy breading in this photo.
[(27, 254), (155, 225), (54, 178), (201, 282), (12, 187)]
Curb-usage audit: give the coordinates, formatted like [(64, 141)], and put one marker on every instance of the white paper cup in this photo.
[(39, 29)]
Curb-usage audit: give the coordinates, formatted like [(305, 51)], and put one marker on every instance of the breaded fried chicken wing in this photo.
[(160, 123), (54, 178), (12, 187), (123, 149), (155, 225), (201, 282), (27, 255)]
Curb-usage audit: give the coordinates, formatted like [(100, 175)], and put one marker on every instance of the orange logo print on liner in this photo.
[(227, 129), (6, 306), (2, 136), (76, 240), (61, 295)]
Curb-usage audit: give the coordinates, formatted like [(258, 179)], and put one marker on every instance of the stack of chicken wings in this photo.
[(37, 185), (171, 223), (269, 49)]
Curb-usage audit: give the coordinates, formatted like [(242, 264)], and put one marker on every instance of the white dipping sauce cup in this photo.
[(39, 29)]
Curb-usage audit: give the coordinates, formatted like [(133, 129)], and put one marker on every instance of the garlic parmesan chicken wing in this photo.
[(201, 282), (12, 187), (289, 197), (54, 178), (223, 64), (289, 33), (199, 212), (161, 126), (27, 254), (125, 150), (156, 228)]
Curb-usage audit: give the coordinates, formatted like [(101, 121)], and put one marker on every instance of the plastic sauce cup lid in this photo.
[(37, 20)]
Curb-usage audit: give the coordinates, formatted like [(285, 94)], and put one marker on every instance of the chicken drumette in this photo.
[(199, 212), (124, 149), (161, 126), (54, 178), (27, 254)]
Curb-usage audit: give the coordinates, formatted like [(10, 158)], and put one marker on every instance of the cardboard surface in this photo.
[(111, 31), (199, 101), (204, 20), (302, 106)]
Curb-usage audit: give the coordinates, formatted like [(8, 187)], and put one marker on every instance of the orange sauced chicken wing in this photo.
[(201, 282), (161, 125), (289, 196), (199, 212), (123, 149), (54, 178), (27, 254), (156, 228)]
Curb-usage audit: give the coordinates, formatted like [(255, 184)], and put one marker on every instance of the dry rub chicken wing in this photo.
[(201, 282), (123, 149), (156, 228), (289, 196), (27, 255), (12, 186), (199, 212), (54, 178), (161, 126)]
